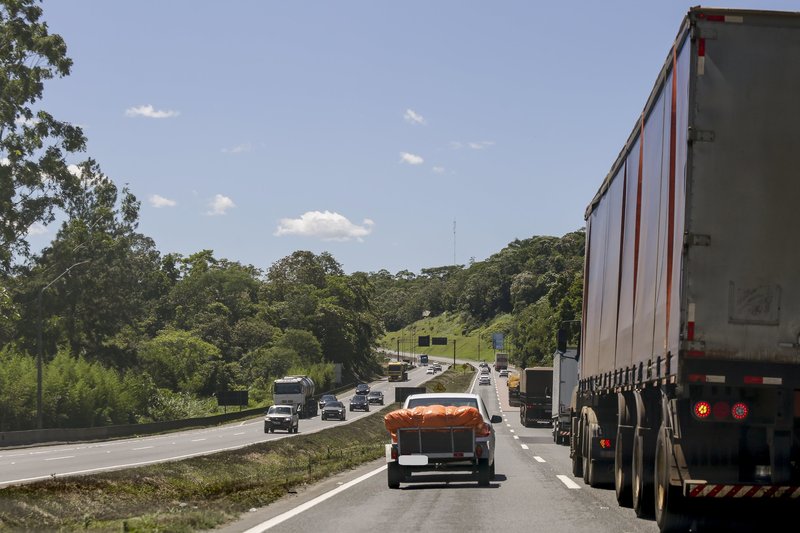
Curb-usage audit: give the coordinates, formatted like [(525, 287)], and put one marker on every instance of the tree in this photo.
[(34, 176), (179, 361)]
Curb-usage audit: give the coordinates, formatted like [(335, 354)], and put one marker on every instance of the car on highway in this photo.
[(484, 379), (335, 410), (430, 370), (437, 367), (281, 417), (362, 388), (325, 398), (485, 370), (359, 402), (375, 396), (504, 373)]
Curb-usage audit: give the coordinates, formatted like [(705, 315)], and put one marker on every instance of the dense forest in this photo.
[(128, 333)]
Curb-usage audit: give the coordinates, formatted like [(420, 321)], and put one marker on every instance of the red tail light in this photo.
[(739, 411), (478, 451), (605, 444), (394, 453), (702, 410)]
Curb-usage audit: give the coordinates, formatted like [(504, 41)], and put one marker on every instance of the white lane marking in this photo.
[(272, 522), (568, 482), (524, 446), (511, 430), (240, 433), (509, 425), (142, 448), (59, 458), (197, 440), (516, 437), (539, 459)]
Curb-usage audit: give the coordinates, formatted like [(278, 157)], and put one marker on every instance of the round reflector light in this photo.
[(702, 409), (739, 411)]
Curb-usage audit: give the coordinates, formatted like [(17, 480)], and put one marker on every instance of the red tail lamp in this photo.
[(605, 444), (739, 411), (702, 410), (721, 410)]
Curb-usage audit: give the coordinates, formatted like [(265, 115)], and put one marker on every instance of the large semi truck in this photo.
[(397, 371), (689, 388), (565, 379), (500, 361)]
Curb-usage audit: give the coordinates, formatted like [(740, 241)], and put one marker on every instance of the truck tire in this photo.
[(522, 416), (492, 474), (622, 466), (642, 480), (577, 464), (670, 504), (484, 473), (393, 475)]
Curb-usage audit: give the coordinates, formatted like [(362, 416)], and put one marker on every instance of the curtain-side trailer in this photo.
[(689, 390)]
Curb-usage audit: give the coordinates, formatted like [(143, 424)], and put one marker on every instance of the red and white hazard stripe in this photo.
[(718, 490)]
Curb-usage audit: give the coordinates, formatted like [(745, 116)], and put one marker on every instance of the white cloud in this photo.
[(159, 201), (220, 204), (480, 145), (413, 117), (37, 228), (75, 170), (438, 170), (149, 111), (324, 225), (5, 161), (411, 159), (240, 149)]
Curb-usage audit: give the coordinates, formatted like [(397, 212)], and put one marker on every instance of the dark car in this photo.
[(360, 402), (362, 388), (323, 401), (281, 417), (335, 410), (375, 396)]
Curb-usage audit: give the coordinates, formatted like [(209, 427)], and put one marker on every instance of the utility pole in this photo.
[(454, 353)]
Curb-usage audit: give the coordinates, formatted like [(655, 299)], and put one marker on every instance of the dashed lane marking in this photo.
[(539, 459), (524, 446), (568, 482)]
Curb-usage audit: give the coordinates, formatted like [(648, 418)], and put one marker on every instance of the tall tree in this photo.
[(34, 175)]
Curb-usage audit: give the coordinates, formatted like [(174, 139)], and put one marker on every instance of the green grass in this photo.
[(475, 345), (202, 492)]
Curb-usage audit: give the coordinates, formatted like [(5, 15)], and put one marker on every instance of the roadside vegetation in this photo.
[(203, 492)]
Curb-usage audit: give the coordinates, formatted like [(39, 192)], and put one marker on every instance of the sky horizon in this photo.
[(364, 129)]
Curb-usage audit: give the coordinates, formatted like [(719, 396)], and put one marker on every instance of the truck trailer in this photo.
[(500, 361), (535, 391), (689, 390)]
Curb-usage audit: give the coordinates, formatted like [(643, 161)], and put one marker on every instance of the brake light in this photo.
[(739, 411), (605, 444), (701, 410), (394, 453), (478, 451)]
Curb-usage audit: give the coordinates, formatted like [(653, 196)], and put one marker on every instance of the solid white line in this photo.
[(524, 446), (272, 522), (539, 459), (568, 482), (57, 458), (143, 448), (197, 440), (240, 433)]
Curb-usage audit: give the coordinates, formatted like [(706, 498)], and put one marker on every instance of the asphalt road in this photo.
[(24, 465), (534, 491)]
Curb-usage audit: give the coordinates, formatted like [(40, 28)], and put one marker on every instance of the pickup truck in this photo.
[(440, 432), (282, 417)]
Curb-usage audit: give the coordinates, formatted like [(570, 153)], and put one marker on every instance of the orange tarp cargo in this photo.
[(435, 416)]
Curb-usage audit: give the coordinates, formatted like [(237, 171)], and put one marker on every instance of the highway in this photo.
[(25, 465), (534, 491)]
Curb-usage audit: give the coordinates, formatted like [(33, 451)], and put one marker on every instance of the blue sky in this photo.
[(361, 128)]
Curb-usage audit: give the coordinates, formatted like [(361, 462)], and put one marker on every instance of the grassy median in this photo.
[(202, 492)]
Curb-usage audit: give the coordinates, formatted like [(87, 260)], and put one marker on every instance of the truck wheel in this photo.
[(484, 473), (622, 466), (393, 475), (670, 505), (491, 470), (577, 464), (642, 480)]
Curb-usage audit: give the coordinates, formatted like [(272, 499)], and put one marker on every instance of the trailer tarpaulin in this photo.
[(435, 416)]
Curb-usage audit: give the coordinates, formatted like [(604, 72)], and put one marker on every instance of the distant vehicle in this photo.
[(535, 396), (359, 402), (281, 417), (504, 373), (483, 364), (485, 370), (423, 360), (375, 396), (297, 391), (430, 370), (325, 399), (500, 361), (421, 449), (484, 379), (437, 367), (397, 370), (362, 388), (334, 410), (565, 378), (513, 389)]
